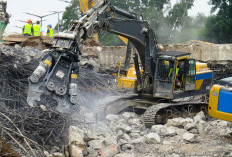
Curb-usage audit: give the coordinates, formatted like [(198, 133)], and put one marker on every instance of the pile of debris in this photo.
[(41, 43), (36, 42), (128, 137), (41, 132), (27, 131), (31, 131), (16, 65), (221, 69)]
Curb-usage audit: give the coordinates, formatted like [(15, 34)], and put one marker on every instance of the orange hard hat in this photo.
[(28, 21)]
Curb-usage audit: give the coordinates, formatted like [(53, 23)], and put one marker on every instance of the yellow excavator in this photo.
[(220, 95), (163, 90), (220, 100)]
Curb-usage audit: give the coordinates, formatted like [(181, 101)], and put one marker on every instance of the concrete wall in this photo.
[(204, 52), (110, 56)]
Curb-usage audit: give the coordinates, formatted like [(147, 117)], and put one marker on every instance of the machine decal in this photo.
[(60, 74)]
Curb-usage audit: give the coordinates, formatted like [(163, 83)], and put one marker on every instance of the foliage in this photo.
[(166, 21), (109, 39), (71, 13), (192, 29), (218, 26), (177, 16), (170, 23)]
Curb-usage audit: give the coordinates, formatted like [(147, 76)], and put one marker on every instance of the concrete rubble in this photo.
[(194, 136), (125, 135)]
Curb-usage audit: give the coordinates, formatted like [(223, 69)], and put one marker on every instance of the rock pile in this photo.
[(178, 137), (126, 135)]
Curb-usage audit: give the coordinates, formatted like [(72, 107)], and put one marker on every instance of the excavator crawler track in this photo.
[(160, 113)]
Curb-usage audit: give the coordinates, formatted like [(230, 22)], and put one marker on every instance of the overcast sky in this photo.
[(43, 7), (17, 8)]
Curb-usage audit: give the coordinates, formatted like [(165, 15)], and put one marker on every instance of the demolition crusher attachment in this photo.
[(54, 82)]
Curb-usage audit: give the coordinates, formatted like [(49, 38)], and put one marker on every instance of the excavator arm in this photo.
[(57, 75)]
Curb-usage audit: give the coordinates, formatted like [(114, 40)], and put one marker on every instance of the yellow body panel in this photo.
[(213, 105), (84, 5), (48, 63), (130, 81), (200, 67), (125, 40), (182, 58), (125, 82), (96, 37), (132, 73), (74, 76), (198, 84)]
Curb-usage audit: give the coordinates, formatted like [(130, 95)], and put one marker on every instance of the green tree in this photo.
[(218, 26), (192, 29), (72, 12), (178, 15), (166, 21), (151, 10)]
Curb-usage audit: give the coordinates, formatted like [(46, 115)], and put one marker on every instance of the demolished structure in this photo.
[(44, 133), (87, 88)]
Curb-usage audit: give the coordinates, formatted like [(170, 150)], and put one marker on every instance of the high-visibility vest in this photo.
[(36, 30), (50, 32), (177, 70), (171, 69), (27, 29)]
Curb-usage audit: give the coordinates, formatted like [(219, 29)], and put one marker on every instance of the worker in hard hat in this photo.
[(37, 30), (50, 31), (27, 28)]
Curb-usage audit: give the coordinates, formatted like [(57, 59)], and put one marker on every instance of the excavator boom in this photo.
[(54, 75)]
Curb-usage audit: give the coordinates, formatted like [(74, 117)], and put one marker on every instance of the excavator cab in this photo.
[(164, 78), (177, 76)]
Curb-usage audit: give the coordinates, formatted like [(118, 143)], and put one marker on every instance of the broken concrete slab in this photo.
[(110, 140), (76, 135), (134, 135), (96, 144), (112, 117), (152, 138), (134, 121), (108, 151), (138, 140), (125, 155), (199, 117), (179, 122), (157, 128), (76, 151), (128, 115), (190, 126), (127, 146), (89, 136), (189, 137)]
